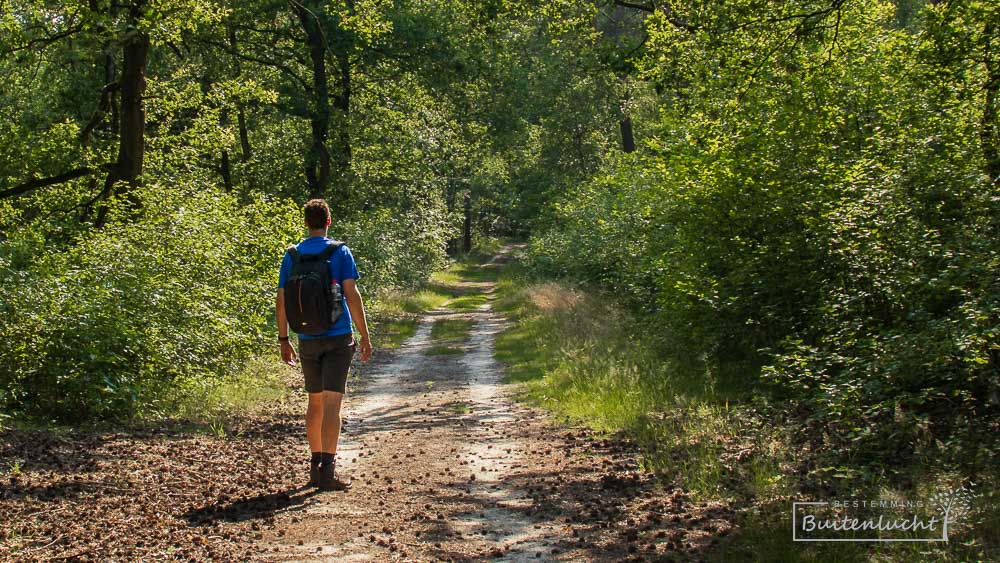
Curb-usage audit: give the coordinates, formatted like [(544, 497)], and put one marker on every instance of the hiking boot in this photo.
[(329, 480), (313, 474)]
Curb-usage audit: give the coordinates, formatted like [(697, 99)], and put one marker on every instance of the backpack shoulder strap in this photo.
[(294, 253), (330, 249)]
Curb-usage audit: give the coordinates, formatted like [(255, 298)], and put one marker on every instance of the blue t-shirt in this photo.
[(342, 267)]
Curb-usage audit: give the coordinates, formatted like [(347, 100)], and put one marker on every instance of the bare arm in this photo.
[(357, 307), (287, 352)]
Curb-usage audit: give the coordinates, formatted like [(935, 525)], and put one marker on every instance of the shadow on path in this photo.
[(258, 507)]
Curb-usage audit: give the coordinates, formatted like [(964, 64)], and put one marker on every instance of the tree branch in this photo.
[(43, 42), (802, 17), (651, 9), (102, 108), (42, 182), (635, 6), (274, 64)]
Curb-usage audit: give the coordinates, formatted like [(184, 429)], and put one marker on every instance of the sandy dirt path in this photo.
[(446, 466)]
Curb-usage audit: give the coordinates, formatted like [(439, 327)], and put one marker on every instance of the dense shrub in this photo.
[(394, 250), (106, 325), (835, 233), (110, 323)]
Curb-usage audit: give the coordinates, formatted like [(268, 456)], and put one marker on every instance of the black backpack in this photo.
[(312, 302)]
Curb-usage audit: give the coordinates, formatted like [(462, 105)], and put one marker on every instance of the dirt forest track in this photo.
[(446, 466)]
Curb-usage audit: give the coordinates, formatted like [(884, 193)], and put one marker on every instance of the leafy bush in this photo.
[(117, 322), (395, 251), (104, 327), (835, 232)]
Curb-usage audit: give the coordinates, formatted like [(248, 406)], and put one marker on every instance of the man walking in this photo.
[(326, 355)]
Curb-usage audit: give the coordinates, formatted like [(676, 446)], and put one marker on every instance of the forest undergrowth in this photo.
[(584, 356)]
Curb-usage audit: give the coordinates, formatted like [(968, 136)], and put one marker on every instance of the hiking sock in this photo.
[(327, 459), (317, 457)]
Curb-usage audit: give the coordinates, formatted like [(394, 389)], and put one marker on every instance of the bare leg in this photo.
[(314, 422), (331, 420)]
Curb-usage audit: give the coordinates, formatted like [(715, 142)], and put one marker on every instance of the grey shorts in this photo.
[(326, 361)]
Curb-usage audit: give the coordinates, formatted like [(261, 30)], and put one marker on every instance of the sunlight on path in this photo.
[(439, 460), (497, 453), (381, 391)]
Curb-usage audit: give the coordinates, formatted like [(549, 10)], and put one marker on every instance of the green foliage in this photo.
[(818, 217), (103, 328), (220, 401), (809, 217), (580, 355), (125, 318), (395, 251), (174, 292)]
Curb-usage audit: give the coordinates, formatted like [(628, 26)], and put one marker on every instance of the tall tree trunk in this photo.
[(131, 140), (317, 159), (450, 202), (133, 127), (226, 171), (225, 168), (241, 118), (467, 230), (342, 103), (628, 137), (628, 140)]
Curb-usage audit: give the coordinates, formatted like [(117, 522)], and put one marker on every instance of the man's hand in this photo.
[(287, 353), (366, 348), (357, 308)]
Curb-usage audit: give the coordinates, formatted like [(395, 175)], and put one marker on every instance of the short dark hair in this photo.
[(317, 213)]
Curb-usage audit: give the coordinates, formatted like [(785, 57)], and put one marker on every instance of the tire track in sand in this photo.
[(429, 441), (447, 468)]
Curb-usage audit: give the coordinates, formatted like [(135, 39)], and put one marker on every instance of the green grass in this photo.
[(214, 403), (414, 302), (14, 466), (516, 349), (471, 268), (392, 332), (451, 329), (444, 351), (395, 315), (580, 357), (468, 302), (448, 277), (461, 283), (459, 408)]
